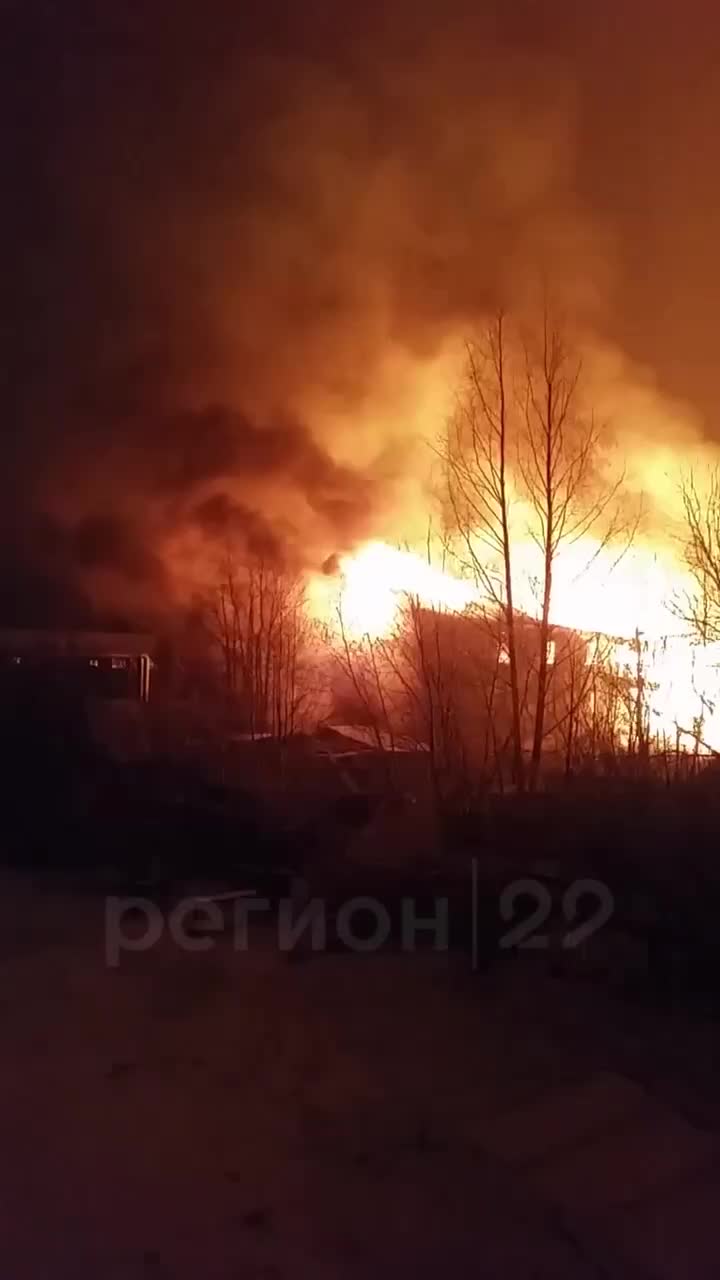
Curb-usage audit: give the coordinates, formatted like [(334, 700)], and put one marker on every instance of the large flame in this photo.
[(628, 595), (378, 578), (596, 588)]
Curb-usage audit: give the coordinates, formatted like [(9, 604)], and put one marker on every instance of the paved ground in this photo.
[(233, 1116)]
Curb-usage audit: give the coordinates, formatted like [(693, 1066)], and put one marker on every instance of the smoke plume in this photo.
[(242, 247)]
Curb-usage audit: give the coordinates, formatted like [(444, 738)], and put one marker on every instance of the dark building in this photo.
[(66, 693), (109, 665)]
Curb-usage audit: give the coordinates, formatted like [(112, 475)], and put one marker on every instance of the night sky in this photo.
[(219, 223)]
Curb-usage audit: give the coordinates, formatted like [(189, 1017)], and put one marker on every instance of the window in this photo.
[(550, 652)]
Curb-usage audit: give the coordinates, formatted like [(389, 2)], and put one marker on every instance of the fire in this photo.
[(624, 594), (604, 589), (377, 578), (595, 588)]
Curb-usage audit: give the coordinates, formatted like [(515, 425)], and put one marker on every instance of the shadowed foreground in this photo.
[(232, 1115)]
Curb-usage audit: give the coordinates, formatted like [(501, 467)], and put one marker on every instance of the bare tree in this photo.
[(572, 708), (422, 657), (258, 619), (476, 453), (361, 662), (559, 452), (518, 432), (700, 606)]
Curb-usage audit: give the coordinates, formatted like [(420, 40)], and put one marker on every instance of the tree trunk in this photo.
[(542, 682), (518, 762), (549, 550)]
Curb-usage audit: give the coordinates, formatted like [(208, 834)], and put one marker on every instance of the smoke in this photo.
[(243, 250)]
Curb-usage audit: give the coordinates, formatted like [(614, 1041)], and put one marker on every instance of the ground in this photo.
[(235, 1116)]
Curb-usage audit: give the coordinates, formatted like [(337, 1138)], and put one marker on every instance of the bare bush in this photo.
[(258, 619)]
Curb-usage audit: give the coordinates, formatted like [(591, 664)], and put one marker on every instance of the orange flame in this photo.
[(628, 597)]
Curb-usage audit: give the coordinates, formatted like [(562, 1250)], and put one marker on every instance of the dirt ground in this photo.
[(232, 1115)]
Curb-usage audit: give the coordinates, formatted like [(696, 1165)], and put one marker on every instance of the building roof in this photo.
[(80, 644), (351, 738)]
